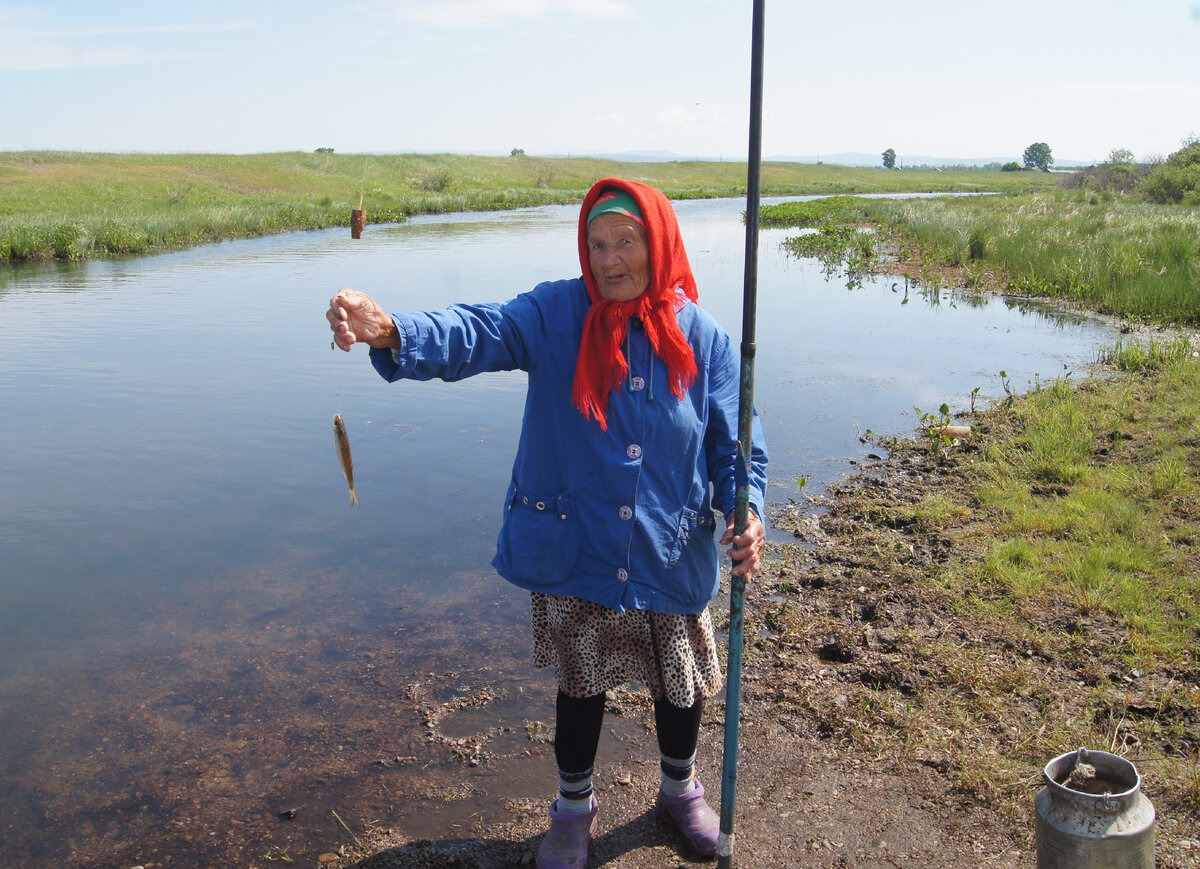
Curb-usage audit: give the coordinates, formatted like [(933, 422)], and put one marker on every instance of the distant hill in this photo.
[(843, 159)]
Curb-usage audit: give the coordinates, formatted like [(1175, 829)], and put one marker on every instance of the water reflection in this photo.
[(198, 633)]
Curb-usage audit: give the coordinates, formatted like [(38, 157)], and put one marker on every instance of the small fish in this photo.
[(343, 447)]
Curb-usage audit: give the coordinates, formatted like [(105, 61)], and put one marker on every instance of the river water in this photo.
[(198, 633)]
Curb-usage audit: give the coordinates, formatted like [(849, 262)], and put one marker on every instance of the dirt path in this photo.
[(800, 802)]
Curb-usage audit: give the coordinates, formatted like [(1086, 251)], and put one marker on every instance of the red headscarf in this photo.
[(601, 365)]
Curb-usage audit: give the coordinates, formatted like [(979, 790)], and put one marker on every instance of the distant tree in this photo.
[(323, 151), (889, 159), (1037, 156), (1120, 157), (1118, 173), (518, 152), (1011, 166), (1178, 179)]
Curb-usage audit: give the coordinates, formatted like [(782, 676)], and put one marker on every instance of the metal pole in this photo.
[(733, 688)]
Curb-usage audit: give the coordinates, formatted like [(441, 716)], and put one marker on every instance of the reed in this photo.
[(1122, 257), (1112, 254)]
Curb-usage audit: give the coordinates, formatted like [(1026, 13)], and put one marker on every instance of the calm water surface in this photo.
[(198, 633)]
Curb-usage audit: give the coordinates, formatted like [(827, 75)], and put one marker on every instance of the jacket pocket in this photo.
[(689, 530), (540, 537)]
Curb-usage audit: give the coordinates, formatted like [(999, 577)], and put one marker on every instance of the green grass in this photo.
[(66, 205), (1096, 503), (1095, 500)]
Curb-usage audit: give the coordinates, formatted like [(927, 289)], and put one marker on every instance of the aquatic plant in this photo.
[(812, 212), (837, 248), (933, 426)]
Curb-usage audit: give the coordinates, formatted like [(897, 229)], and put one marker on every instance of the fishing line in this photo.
[(362, 190), (337, 381)]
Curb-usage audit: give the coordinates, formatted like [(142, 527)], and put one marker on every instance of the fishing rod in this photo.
[(737, 593)]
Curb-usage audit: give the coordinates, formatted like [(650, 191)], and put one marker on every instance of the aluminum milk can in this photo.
[(1092, 814)]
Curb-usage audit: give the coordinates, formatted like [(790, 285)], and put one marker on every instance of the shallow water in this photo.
[(198, 633)]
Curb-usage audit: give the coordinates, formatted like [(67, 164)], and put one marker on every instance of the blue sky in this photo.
[(943, 79)]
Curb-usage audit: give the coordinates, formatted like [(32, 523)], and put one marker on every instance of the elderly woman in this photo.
[(629, 442)]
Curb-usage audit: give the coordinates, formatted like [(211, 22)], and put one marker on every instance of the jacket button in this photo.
[(638, 384), (633, 451), (622, 574), (626, 512), (541, 505)]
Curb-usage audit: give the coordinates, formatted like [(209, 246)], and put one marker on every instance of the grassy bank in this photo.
[(65, 205), (1112, 254), (990, 603)]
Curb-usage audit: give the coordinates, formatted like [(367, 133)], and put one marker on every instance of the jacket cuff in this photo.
[(393, 363)]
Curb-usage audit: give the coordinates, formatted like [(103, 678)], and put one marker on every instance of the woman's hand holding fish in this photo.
[(355, 317)]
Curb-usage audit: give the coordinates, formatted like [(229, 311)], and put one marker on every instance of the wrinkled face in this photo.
[(619, 256)]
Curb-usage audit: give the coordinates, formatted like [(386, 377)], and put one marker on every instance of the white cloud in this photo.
[(701, 122), (490, 13), (38, 55), (602, 122), (26, 47), (690, 115), (131, 30)]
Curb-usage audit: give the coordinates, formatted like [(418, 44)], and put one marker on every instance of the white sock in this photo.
[(673, 788), (575, 791), (566, 804), (672, 768)]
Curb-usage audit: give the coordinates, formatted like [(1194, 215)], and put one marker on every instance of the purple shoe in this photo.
[(566, 844), (692, 817)]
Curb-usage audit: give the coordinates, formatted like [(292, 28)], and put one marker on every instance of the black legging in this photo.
[(579, 720)]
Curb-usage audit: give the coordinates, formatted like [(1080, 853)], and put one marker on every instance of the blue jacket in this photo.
[(622, 517)]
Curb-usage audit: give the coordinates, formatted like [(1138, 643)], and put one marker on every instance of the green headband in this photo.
[(616, 202)]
